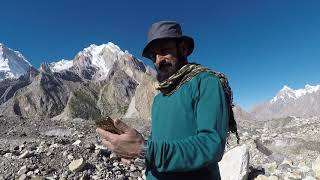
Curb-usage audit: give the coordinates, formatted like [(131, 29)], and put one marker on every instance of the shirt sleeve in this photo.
[(203, 148)]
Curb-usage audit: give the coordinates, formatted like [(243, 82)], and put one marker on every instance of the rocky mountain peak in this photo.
[(44, 67), (311, 89), (286, 93), (12, 63), (286, 89), (95, 62), (60, 65)]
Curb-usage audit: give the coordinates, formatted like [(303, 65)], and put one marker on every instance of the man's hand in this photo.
[(125, 145)]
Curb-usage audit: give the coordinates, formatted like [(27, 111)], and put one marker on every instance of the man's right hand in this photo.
[(126, 144)]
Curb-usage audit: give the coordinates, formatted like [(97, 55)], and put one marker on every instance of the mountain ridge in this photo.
[(100, 81)]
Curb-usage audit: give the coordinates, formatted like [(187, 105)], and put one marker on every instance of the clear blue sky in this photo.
[(260, 45)]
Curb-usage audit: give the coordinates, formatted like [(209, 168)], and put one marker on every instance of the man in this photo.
[(189, 116)]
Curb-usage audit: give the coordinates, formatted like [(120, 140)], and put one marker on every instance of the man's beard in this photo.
[(167, 69)]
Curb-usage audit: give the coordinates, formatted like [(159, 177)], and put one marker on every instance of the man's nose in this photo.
[(159, 58)]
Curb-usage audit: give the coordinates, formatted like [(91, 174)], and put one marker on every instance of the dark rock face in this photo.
[(9, 86), (116, 93), (46, 96)]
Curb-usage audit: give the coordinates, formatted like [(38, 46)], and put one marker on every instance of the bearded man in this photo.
[(189, 116)]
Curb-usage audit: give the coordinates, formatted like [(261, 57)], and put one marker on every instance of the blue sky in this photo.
[(260, 45)]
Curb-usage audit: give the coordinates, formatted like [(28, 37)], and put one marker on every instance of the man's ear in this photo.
[(183, 48)]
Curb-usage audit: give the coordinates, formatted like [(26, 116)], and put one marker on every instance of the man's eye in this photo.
[(153, 56), (164, 50)]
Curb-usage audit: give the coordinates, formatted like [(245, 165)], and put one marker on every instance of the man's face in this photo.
[(166, 58)]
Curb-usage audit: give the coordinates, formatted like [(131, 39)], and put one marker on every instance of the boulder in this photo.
[(235, 164), (77, 165), (316, 167)]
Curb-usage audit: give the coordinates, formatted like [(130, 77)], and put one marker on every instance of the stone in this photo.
[(70, 157), (115, 164), (287, 161), (21, 147), (52, 146), (95, 177), (263, 177), (262, 148), (235, 163), (125, 161), (36, 178), (135, 174), (245, 134), (3, 152), (309, 178), (113, 156), (23, 170), (271, 166), (49, 178), (132, 168), (26, 154), (119, 176), (36, 171), (277, 157), (90, 146), (77, 143), (304, 169), (285, 167), (49, 153), (23, 177), (77, 165), (139, 163), (30, 173), (8, 155), (316, 167), (294, 175), (41, 148), (143, 174), (64, 153), (97, 146)]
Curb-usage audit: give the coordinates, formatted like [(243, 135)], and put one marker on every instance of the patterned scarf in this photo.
[(184, 74)]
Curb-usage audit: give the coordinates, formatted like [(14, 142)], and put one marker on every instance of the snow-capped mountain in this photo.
[(12, 63), (60, 65), (96, 61), (304, 102), (287, 93)]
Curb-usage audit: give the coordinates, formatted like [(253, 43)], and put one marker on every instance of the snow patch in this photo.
[(60, 65)]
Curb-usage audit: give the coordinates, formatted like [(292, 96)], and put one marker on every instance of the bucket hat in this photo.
[(166, 30)]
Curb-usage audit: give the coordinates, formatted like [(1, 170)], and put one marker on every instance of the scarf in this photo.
[(184, 74)]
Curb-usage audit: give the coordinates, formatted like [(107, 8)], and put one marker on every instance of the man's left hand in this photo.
[(127, 144)]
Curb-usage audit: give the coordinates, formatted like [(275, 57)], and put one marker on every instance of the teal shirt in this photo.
[(189, 130)]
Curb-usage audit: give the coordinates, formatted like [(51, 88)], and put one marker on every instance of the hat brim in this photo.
[(187, 39)]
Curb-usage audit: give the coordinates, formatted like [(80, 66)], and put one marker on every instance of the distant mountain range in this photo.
[(100, 81), (104, 80), (303, 102)]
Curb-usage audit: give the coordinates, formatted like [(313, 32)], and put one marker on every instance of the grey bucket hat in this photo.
[(165, 30)]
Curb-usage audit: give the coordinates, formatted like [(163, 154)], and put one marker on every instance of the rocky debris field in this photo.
[(285, 148), (46, 149)]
